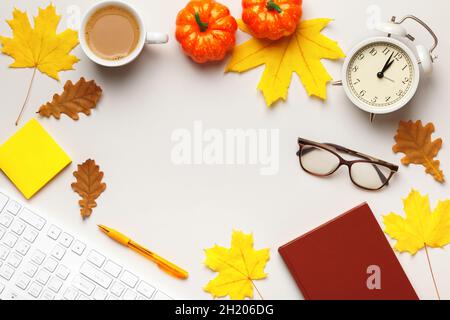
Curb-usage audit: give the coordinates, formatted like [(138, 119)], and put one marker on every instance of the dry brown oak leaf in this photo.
[(89, 186), (414, 140), (79, 98)]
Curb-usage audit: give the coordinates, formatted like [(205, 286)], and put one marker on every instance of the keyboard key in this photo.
[(70, 294), (30, 269), (33, 219), (100, 294), (62, 272), (35, 290), (142, 298), (58, 252), (6, 220), (50, 264), (23, 248), (53, 232), (3, 200), (43, 276), (30, 235), (161, 296), (129, 279), (145, 289), (18, 227), (83, 285), (6, 272), (129, 295), (111, 298), (22, 282), (66, 240), (38, 257), (117, 289), (55, 284), (78, 247), (82, 297), (2, 287), (95, 275), (13, 207), (14, 260), (112, 269), (10, 240), (48, 295), (2, 233), (4, 252), (12, 295), (96, 258)]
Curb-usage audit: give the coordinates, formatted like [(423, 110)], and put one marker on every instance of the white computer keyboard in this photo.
[(40, 260)]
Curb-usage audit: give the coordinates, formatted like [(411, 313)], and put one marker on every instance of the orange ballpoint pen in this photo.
[(162, 263)]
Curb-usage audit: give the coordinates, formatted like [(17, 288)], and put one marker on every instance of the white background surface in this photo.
[(180, 210)]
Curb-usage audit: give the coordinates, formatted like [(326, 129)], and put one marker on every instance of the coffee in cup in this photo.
[(112, 33)]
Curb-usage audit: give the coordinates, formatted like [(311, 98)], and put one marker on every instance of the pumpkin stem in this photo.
[(273, 6), (202, 25)]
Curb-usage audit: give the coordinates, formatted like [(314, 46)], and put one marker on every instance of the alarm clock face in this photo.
[(381, 75)]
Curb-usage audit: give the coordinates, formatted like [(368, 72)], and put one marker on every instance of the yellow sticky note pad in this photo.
[(31, 158)]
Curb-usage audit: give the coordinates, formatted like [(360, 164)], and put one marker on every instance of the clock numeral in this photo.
[(406, 80), (386, 51), (399, 93), (374, 100), (356, 82), (355, 68), (373, 52), (362, 93), (361, 56), (398, 56), (388, 99), (404, 67)]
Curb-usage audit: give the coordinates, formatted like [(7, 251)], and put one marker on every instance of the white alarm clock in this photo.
[(381, 74)]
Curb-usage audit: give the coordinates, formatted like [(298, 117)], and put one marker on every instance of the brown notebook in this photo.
[(348, 258)]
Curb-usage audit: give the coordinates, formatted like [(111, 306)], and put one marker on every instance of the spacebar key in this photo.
[(95, 275)]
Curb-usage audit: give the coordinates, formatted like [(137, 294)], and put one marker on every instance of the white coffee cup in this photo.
[(145, 37)]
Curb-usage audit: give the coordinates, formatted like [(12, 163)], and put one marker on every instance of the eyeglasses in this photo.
[(322, 160)]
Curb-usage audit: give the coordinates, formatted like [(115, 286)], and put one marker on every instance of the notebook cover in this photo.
[(331, 262), (31, 158)]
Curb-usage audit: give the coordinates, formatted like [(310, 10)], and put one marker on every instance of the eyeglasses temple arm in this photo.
[(362, 155)]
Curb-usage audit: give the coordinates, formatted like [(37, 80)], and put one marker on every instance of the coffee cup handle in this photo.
[(156, 38)]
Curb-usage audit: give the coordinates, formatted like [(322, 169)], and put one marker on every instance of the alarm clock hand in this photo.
[(387, 65)]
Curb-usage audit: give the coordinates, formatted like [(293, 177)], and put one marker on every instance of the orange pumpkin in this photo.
[(206, 30), (272, 19)]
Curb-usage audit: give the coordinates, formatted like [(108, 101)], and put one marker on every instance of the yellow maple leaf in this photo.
[(237, 266), (41, 47), (300, 53), (421, 227)]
